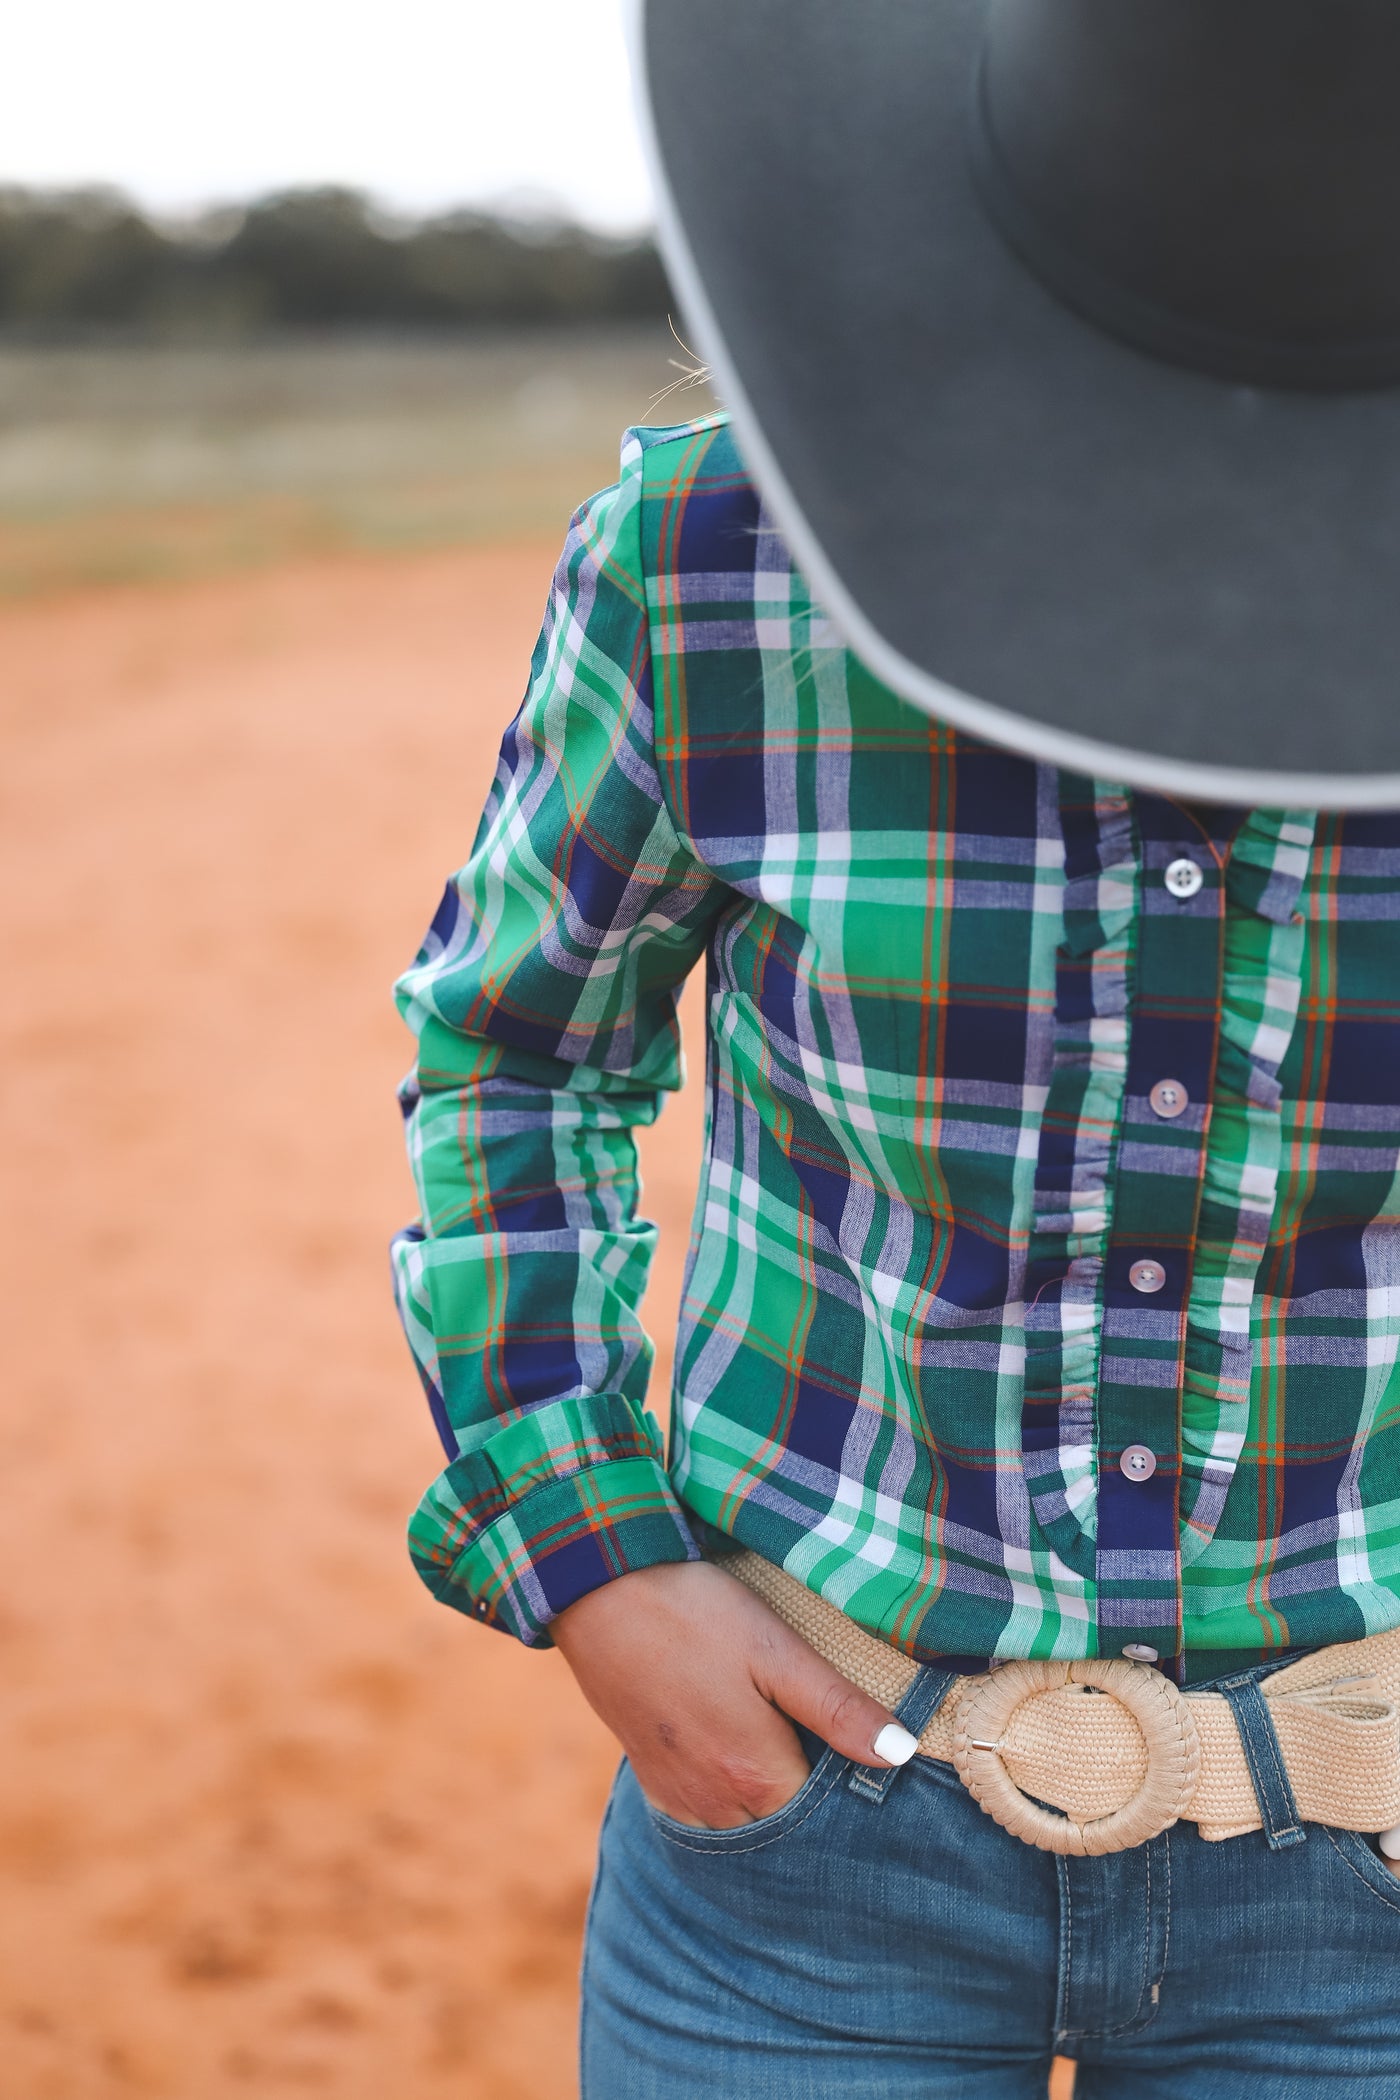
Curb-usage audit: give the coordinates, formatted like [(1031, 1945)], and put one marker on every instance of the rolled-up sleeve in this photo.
[(544, 1003)]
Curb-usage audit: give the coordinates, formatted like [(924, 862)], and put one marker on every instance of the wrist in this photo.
[(627, 1592)]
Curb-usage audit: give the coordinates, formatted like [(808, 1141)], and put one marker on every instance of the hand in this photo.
[(695, 1675)]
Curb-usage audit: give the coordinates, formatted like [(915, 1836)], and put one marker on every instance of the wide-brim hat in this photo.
[(1022, 522)]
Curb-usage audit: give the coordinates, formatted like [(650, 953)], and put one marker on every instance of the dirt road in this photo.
[(265, 1808), (271, 1823)]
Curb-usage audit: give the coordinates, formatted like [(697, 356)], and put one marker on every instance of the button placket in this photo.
[(1174, 1032)]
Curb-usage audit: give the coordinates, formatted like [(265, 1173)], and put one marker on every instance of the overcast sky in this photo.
[(424, 102)]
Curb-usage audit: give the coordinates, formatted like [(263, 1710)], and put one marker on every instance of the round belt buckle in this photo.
[(1168, 1731)]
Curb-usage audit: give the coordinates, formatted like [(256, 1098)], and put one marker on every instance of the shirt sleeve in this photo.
[(544, 1003)]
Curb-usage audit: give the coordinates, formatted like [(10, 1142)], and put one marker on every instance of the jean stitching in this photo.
[(774, 1836), (1066, 1943), (1137, 2019), (1146, 1945), (1167, 1930), (912, 1710), (584, 1965), (1258, 1734), (1264, 1726), (1390, 1902), (924, 1697)]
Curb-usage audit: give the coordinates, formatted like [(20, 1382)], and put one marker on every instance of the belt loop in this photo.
[(915, 1710), (1278, 1810)]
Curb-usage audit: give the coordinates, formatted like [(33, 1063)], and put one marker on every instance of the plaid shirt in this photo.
[(992, 1345)]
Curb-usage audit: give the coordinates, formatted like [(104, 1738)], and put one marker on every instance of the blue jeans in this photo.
[(881, 1941)]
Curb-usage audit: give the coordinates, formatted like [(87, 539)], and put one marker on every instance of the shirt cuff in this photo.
[(552, 1506)]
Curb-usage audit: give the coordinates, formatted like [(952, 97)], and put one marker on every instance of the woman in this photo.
[(1041, 1305)]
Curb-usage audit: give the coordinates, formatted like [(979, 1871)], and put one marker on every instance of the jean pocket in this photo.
[(1360, 1854), (768, 1830)]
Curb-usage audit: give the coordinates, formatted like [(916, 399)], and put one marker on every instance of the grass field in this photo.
[(135, 465)]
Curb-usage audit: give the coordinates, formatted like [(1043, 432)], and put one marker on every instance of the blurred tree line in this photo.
[(87, 262)]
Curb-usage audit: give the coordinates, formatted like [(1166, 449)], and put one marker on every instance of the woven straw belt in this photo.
[(1122, 1768)]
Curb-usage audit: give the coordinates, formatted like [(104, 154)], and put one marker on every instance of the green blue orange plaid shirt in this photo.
[(1043, 1297)]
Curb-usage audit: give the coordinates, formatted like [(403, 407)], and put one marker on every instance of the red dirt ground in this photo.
[(271, 1823)]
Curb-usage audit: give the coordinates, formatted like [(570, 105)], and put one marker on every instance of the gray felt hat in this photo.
[(1062, 339)]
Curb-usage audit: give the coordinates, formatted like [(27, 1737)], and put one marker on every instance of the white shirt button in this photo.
[(1137, 1463), (1170, 1099), (1183, 878), (1149, 1277), (1139, 1652)]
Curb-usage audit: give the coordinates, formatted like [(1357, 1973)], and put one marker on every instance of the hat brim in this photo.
[(1023, 526)]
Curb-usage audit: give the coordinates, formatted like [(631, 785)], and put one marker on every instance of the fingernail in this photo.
[(1390, 1843), (895, 1744)]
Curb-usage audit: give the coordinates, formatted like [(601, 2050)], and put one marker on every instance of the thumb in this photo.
[(810, 1691)]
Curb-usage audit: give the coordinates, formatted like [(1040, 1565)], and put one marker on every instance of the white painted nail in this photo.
[(1390, 1843), (895, 1744)]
